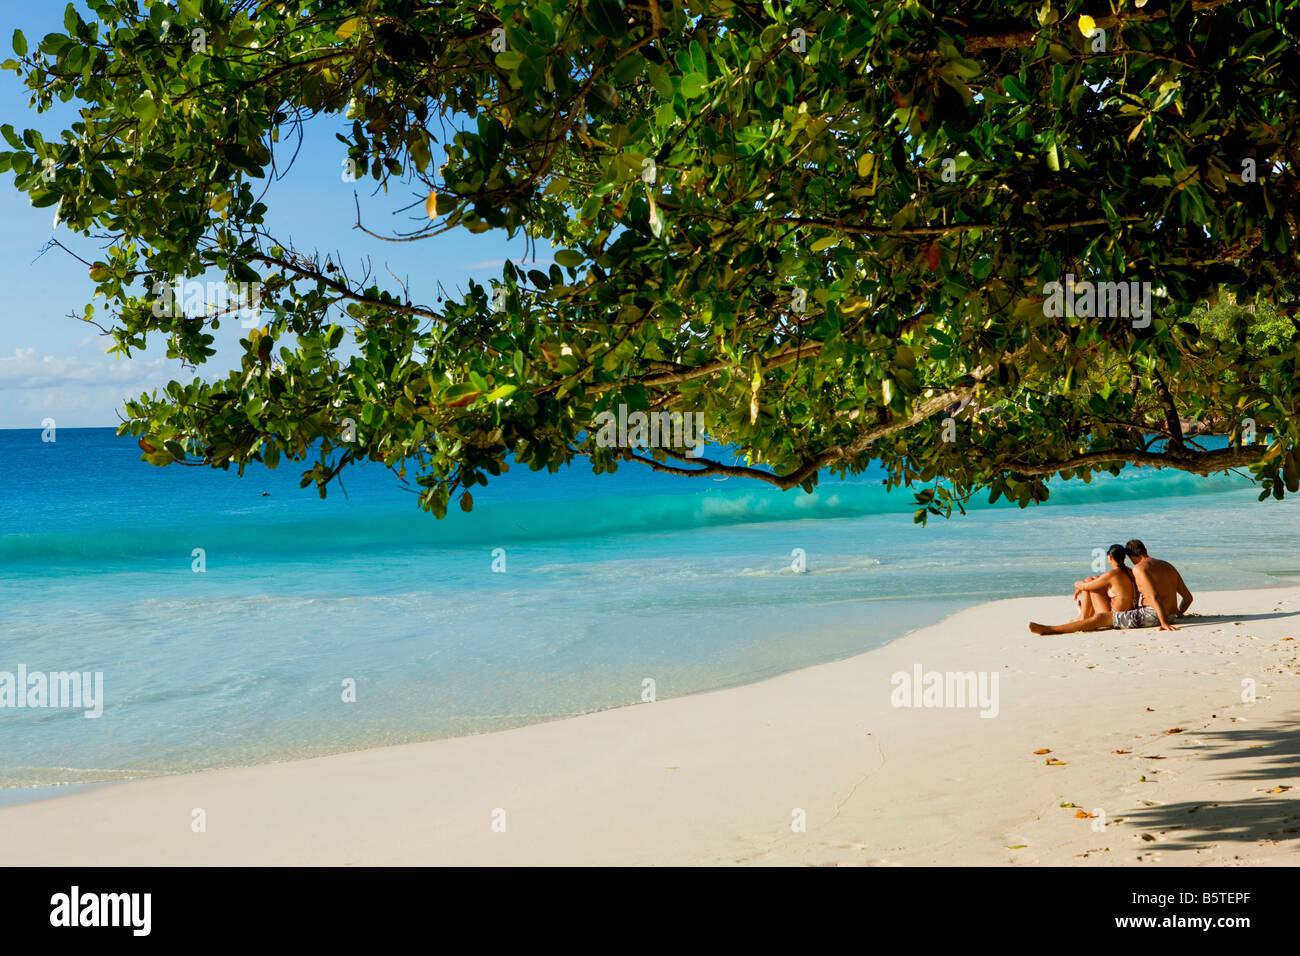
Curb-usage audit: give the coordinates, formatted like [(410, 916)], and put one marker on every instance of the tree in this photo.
[(961, 242)]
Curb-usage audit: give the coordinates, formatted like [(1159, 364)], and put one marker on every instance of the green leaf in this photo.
[(662, 81), (501, 391), (145, 107), (1015, 88), (20, 43), (245, 159), (103, 183), (608, 17), (462, 393), (693, 85), (542, 26), (509, 59)]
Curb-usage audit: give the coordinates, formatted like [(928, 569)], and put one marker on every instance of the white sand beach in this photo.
[(1148, 730)]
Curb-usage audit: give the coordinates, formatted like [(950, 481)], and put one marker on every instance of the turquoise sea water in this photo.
[(608, 581)]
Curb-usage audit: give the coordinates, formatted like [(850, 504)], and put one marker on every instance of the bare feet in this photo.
[(1039, 628)]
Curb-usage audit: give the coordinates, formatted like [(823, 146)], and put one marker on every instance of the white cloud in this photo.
[(498, 263), (74, 390), (28, 368)]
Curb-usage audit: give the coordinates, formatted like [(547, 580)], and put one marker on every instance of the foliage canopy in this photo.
[(823, 225)]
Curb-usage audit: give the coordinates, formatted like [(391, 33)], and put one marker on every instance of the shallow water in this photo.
[(608, 582)]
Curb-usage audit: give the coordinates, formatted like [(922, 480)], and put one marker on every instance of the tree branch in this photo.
[(922, 410), (1198, 463), (1011, 36)]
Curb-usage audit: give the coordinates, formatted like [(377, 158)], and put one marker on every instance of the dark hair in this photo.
[(1136, 548), (1117, 552)]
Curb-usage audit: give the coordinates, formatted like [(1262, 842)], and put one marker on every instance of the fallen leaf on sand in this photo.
[(1043, 751), (1279, 790), (1018, 846), (1069, 804), (1176, 730), (1145, 757), (1149, 838), (1151, 710), (1053, 762), (1084, 815), (1123, 751)]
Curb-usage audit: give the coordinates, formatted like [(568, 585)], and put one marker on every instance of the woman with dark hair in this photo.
[(1100, 598)]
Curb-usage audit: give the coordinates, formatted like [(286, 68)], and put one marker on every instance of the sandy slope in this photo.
[(715, 778)]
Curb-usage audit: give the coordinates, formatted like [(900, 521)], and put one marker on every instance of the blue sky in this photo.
[(55, 366)]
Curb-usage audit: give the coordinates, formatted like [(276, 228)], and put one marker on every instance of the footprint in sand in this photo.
[(1100, 849)]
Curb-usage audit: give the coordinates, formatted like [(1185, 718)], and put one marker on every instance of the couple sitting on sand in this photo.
[(1150, 593)]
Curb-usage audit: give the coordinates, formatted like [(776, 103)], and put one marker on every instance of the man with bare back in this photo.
[(1164, 596)]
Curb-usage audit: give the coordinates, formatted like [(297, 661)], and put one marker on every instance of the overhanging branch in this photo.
[(1012, 36), (1198, 463), (846, 452)]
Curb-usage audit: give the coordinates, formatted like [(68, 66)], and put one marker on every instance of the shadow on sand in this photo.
[(1274, 817), (1194, 618)]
